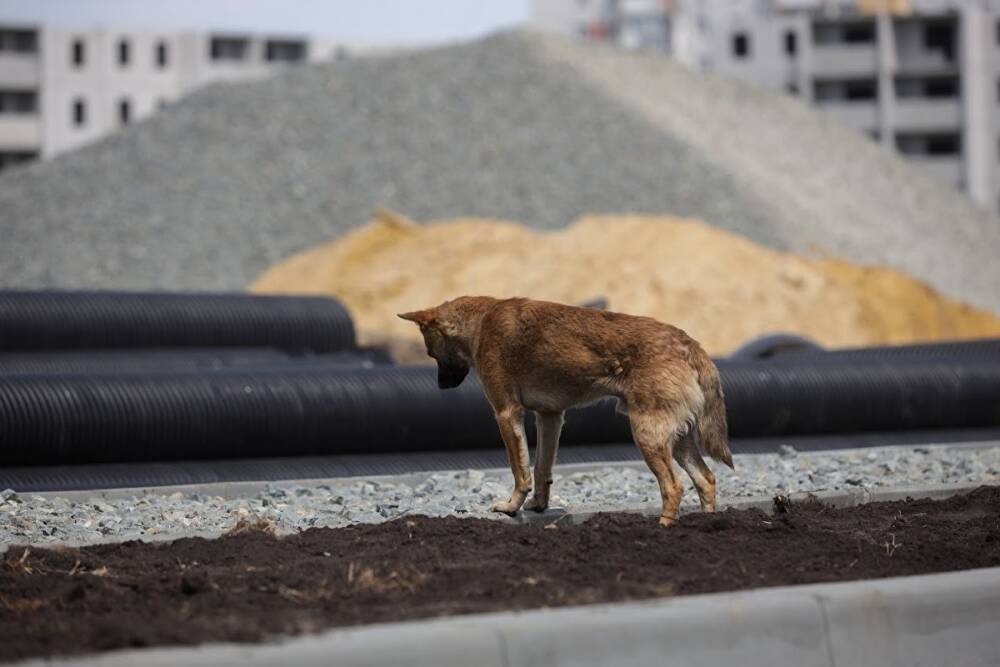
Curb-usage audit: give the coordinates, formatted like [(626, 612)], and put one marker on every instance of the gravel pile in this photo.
[(209, 193), (38, 519)]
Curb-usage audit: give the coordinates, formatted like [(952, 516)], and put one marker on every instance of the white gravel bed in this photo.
[(51, 519)]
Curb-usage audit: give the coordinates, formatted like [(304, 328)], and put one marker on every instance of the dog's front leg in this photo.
[(549, 426), (511, 422)]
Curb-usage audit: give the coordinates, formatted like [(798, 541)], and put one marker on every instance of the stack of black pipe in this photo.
[(111, 377)]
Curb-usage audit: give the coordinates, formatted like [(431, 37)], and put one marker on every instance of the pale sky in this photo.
[(360, 20)]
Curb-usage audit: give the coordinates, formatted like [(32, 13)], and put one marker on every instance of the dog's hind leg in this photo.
[(654, 434), (548, 426), (511, 423), (688, 457)]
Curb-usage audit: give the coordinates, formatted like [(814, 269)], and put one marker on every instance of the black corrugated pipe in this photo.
[(77, 320), (297, 411), (817, 397), (985, 348), (178, 359), (794, 349)]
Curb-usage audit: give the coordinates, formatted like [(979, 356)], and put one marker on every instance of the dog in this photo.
[(548, 357)]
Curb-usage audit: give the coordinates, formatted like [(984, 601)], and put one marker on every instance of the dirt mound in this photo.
[(253, 586), (722, 288)]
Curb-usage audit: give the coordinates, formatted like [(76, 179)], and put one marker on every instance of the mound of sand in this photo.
[(721, 288)]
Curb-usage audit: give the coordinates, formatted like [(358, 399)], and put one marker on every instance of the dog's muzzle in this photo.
[(451, 376)]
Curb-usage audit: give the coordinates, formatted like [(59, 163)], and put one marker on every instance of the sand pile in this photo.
[(722, 288)]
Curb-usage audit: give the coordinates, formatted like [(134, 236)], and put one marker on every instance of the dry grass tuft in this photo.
[(253, 525), (406, 580)]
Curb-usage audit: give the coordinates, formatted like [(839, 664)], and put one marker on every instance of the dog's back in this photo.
[(559, 356)]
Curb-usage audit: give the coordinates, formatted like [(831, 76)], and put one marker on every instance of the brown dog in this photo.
[(547, 357)]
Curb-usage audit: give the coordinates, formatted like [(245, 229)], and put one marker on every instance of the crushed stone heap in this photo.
[(215, 189)]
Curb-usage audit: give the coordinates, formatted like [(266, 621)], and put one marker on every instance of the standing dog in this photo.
[(547, 357)]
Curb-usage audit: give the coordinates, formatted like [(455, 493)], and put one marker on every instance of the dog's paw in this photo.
[(536, 504), (505, 507)]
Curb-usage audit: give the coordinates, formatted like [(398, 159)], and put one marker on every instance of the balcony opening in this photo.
[(830, 33), (940, 36), (229, 48), (123, 52), (948, 144), (284, 51), (859, 33), (937, 87), (18, 101), (741, 45), (79, 112), (162, 59), (11, 158), (79, 53), (18, 41), (849, 90)]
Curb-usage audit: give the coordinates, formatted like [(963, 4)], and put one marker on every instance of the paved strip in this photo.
[(235, 489), (94, 477)]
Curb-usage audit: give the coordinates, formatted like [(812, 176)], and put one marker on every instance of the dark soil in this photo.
[(251, 585)]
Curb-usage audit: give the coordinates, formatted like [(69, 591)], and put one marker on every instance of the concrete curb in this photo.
[(951, 618)]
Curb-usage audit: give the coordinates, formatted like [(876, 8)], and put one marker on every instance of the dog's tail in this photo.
[(713, 431)]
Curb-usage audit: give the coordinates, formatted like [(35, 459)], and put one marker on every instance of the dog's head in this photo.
[(443, 345)]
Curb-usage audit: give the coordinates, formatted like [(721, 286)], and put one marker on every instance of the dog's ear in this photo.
[(421, 317)]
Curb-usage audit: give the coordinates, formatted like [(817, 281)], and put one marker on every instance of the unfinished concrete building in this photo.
[(921, 77)]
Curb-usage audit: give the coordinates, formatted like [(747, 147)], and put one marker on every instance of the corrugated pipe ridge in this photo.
[(39, 320), (301, 411), (205, 359)]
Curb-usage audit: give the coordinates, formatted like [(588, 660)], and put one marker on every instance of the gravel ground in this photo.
[(38, 519), (210, 192)]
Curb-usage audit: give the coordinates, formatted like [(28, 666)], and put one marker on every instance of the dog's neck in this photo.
[(464, 330)]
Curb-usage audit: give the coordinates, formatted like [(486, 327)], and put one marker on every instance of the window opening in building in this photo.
[(940, 37), (18, 101), (124, 112), (791, 43), (79, 112), (161, 55), (123, 52), (859, 33), (938, 87), (741, 45), (930, 145), (18, 41), (228, 48), (11, 158), (285, 51), (79, 53)]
